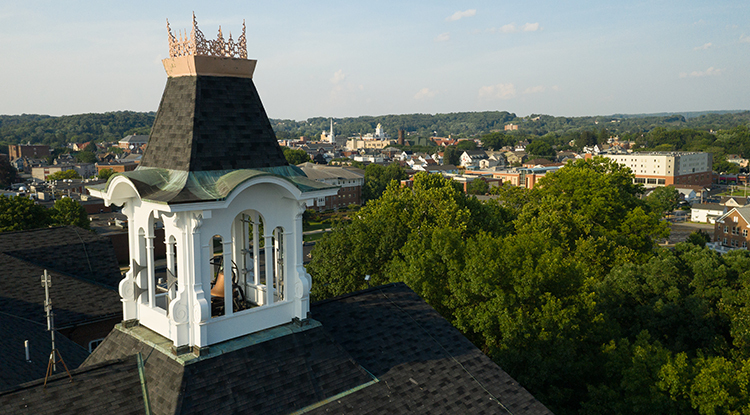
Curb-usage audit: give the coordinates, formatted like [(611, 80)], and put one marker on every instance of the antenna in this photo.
[(52, 363)]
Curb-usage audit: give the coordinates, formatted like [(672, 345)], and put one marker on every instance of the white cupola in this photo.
[(214, 175)]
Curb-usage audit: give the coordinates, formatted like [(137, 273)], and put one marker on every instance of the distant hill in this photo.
[(59, 131), (111, 126)]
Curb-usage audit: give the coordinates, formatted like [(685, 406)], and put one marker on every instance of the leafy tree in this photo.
[(295, 157), (64, 174), (85, 157), (721, 165), (91, 147), (466, 145), (67, 211), (477, 187), (663, 200), (451, 155), (699, 238), (496, 141), (377, 178), (7, 172), (105, 174), (21, 213), (542, 149)]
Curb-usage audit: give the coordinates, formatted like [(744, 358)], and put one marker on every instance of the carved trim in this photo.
[(196, 44)]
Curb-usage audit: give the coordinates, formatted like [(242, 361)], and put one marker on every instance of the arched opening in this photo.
[(166, 278), (225, 279)]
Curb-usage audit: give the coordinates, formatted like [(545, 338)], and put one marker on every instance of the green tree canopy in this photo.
[(105, 174), (663, 200), (7, 172), (67, 211), (64, 174), (377, 178), (19, 213), (85, 157), (541, 149), (477, 187), (295, 157)]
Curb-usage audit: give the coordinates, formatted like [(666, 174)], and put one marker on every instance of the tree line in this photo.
[(59, 131), (564, 287)]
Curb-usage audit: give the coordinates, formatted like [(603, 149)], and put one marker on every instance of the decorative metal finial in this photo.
[(196, 44)]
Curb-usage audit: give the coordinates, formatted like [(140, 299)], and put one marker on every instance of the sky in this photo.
[(348, 58)]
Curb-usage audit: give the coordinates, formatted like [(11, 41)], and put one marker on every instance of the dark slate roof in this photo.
[(111, 388), (279, 375), (66, 249), (209, 123), (423, 363), (378, 351), (84, 274), (15, 368)]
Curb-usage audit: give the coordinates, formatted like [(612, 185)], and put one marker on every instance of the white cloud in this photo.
[(704, 47), (744, 38), (425, 93), (338, 77), (460, 15), (534, 89), (697, 74), (512, 28), (443, 37), (499, 91)]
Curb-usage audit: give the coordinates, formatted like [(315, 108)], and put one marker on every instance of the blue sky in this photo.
[(348, 58)]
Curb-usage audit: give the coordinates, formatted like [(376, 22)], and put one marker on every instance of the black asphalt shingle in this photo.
[(111, 388), (207, 123), (84, 275)]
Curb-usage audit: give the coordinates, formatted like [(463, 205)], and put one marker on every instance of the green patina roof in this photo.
[(176, 186)]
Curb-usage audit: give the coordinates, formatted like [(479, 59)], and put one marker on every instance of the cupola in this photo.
[(214, 176)]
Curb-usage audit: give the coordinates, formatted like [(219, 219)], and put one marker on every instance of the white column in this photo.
[(151, 276), (256, 248), (270, 265), (227, 261), (170, 263)]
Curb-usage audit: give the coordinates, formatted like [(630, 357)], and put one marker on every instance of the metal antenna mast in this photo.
[(52, 363)]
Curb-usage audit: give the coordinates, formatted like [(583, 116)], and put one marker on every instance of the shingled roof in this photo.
[(210, 134), (209, 123), (378, 351), (110, 388), (84, 275)]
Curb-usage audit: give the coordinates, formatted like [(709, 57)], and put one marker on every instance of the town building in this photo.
[(84, 170), (668, 168), (706, 212), (16, 151), (731, 228), (132, 142), (349, 181)]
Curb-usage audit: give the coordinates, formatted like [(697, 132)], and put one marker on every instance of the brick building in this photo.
[(17, 151), (731, 229), (660, 168)]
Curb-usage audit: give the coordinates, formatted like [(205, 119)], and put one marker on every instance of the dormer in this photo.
[(214, 176)]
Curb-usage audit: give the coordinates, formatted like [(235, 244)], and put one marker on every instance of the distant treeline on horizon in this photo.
[(112, 126)]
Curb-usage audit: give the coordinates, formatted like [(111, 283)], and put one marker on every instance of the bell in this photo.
[(218, 289)]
